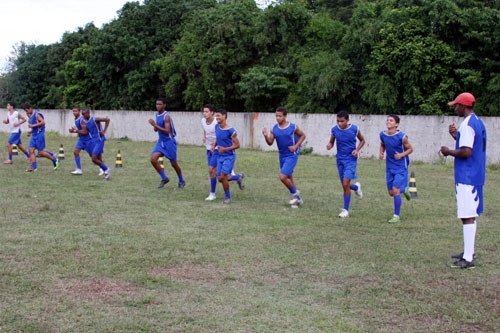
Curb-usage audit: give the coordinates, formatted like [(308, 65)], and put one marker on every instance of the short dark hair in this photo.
[(27, 106), (343, 114), (396, 117), (282, 109), (222, 111), (12, 104), (76, 107), (210, 107), (162, 99)]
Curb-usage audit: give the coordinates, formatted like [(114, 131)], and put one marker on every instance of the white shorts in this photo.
[(469, 200)]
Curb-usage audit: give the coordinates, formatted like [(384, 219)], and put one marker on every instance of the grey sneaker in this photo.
[(226, 201), (107, 174), (358, 192), (294, 198), (181, 185), (163, 182), (462, 263), (241, 182)]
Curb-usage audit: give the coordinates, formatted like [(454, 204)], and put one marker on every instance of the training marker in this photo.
[(14, 150), (118, 163), (60, 156), (413, 185)]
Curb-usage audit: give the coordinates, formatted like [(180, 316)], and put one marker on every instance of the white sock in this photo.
[(469, 240)]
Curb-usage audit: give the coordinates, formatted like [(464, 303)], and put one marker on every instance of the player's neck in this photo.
[(283, 124), (392, 130)]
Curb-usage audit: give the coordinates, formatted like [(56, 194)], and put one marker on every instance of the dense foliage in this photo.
[(368, 56)]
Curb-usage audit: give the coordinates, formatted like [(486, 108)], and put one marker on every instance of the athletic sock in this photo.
[(397, 204), (34, 165), (27, 154), (78, 162), (347, 201), (235, 177), (469, 240), (162, 174), (354, 187), (104, 167), (10, 157), (292, 189), (181, 178), (227, 193), (213, 184)]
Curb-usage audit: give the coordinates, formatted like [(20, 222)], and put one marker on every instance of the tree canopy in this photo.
[(313, 56)]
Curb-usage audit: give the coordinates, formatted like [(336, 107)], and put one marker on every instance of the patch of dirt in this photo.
[(96, 288)]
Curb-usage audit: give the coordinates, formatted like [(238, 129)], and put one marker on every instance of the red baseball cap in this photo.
[(465, 98)]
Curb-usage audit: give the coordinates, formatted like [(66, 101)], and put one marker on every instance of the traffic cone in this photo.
[(413, 185), (60, 156), (160, 160), (14, 150), (118, 163)]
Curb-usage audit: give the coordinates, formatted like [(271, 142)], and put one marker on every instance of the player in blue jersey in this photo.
[(36, 123), (346, 136), (226, 144), (398, 148), (470, 172), (166, 144), (83, 142), (289, 137), (14, 120), (90, 126)]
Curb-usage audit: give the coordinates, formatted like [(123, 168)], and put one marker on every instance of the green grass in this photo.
[(78, 254)]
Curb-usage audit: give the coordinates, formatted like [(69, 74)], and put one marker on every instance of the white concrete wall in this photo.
[(426, 133)]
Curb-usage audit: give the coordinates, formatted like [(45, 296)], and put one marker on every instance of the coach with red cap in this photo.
[(470, 173)]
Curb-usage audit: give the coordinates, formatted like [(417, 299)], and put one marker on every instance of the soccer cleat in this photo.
[(107, 174), (211, 197), (394, 219), (294, 198), (101, 172), (461, 256), (32, 170), (241, 182), (8, 162), (163, 182), (299, 202), (344, 213), (56, 164), (358, 192), (181, 185), (226, 201), (407, 194), (462, 263), (77, 172)]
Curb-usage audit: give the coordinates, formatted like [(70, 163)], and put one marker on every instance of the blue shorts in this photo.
[(347, 168), (167, 148), (288, 164), (225, 164), (212, 158), (15, 138), (37, 142), (84, 144), (96, 147), (396, 178)]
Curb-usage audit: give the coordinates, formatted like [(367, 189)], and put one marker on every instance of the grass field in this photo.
[(78, 254)]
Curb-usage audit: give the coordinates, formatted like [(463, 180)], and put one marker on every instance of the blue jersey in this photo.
[(346, 141), (160, 121), (39, 130), (285, 137), (471, 134), (93, 130), (224, 138), (78, 125), (394, 144)]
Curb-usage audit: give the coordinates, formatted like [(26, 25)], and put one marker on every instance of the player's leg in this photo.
[(78, 163)]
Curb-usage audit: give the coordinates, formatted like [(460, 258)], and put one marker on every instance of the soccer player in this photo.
[(15, 120), (470, 172), (36, 123), (226, 144), (90, 126), (166, 144), (347, 156), (83, 142), (289, 138), (398, 148), (208, 123)]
